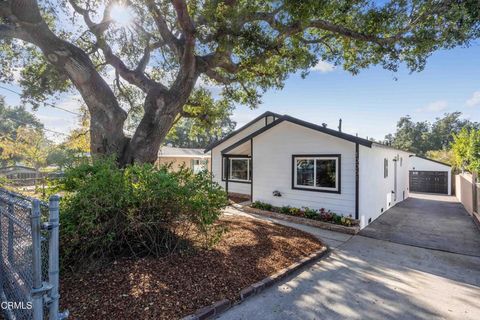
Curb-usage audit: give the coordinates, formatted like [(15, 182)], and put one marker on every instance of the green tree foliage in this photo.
[(62, 157), (30, 146), (466, 149), (443, 129), (421, 137), (78, 140), (140, 210), (11, 118), (162, 60), (189, 133), (412, 136), (445, 155)]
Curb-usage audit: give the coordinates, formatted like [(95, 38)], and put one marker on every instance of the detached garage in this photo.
[(430, 176)]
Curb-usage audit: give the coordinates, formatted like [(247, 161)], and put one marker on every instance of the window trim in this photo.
[(385, 168), (236, 157), (338, 178)]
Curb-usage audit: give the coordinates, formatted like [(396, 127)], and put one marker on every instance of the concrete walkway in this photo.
[(369, 278)]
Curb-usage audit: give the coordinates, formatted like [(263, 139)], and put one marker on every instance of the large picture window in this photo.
[(316, 172), (240, 169)]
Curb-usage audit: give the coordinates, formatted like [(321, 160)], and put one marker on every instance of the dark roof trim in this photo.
[(335, 133), (263, 115), (302, 123), (250, 136), (382, 145), (439, 162)]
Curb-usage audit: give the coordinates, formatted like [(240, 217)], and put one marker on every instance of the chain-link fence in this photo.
[(29, 269)]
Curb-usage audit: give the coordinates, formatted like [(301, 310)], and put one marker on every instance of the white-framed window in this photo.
[(199, 165), (240, 169), (316, 172)]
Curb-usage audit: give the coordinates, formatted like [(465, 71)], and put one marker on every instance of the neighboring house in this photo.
[(427, 175), (282, 160), (194, 159), (26, 176), (18, 172)]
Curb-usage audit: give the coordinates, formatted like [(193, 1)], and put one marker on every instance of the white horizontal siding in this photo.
[(375, 191), (217, 158), (272, 168)]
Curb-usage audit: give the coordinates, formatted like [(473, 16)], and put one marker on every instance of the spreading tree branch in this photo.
[(173, 42), (135, 77)]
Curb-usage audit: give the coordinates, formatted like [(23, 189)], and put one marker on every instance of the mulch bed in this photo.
[(236, 198), (175, 286)]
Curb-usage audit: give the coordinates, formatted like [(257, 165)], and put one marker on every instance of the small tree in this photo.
[(78, 139), (29, 145), (466, 148), (12, 118)]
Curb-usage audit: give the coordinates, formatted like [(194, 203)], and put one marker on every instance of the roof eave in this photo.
[(263, 115)]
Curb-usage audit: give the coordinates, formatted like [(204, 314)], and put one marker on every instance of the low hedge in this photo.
[(305, 212)]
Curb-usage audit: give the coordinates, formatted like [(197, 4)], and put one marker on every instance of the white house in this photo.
[(177, 158), (283, 160), (427, 175)]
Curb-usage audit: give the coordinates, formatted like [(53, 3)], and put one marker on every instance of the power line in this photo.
[(45, 103), (27, 124), (49, 105)]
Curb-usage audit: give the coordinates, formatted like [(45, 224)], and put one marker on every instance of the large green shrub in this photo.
[(139, 210)]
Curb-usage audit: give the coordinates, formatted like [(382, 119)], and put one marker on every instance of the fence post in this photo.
[(1, 250), (53, 259), (11, 212), (474, 191), (37, 297)]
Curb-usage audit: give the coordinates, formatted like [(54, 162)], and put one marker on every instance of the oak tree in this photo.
[(167, 53)]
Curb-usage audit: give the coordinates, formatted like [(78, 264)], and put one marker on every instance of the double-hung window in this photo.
[(240, 169), (316, 172)]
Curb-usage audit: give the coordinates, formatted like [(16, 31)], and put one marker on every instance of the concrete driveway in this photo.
[(373, 278), (428, 221)]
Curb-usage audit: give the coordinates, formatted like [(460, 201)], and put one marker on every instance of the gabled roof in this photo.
[(263, 115), (335, 133), (15, 167), (180, 152)]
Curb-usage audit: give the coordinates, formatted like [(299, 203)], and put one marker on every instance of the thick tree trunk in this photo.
[(161, 110), (161, 106), (107, 118)]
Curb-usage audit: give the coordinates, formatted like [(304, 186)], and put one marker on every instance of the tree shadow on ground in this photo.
[(177, 285), (363, 280)]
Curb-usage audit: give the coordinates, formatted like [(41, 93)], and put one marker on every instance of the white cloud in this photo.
[(323, 67), (474, 100), (435, 106)]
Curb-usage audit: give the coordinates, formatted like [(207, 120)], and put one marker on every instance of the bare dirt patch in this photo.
[(177, 285)]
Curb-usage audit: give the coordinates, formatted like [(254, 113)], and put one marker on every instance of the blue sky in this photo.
[(370, 103)]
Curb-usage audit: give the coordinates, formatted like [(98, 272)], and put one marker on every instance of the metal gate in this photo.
[(429, 181), (29, 261)]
